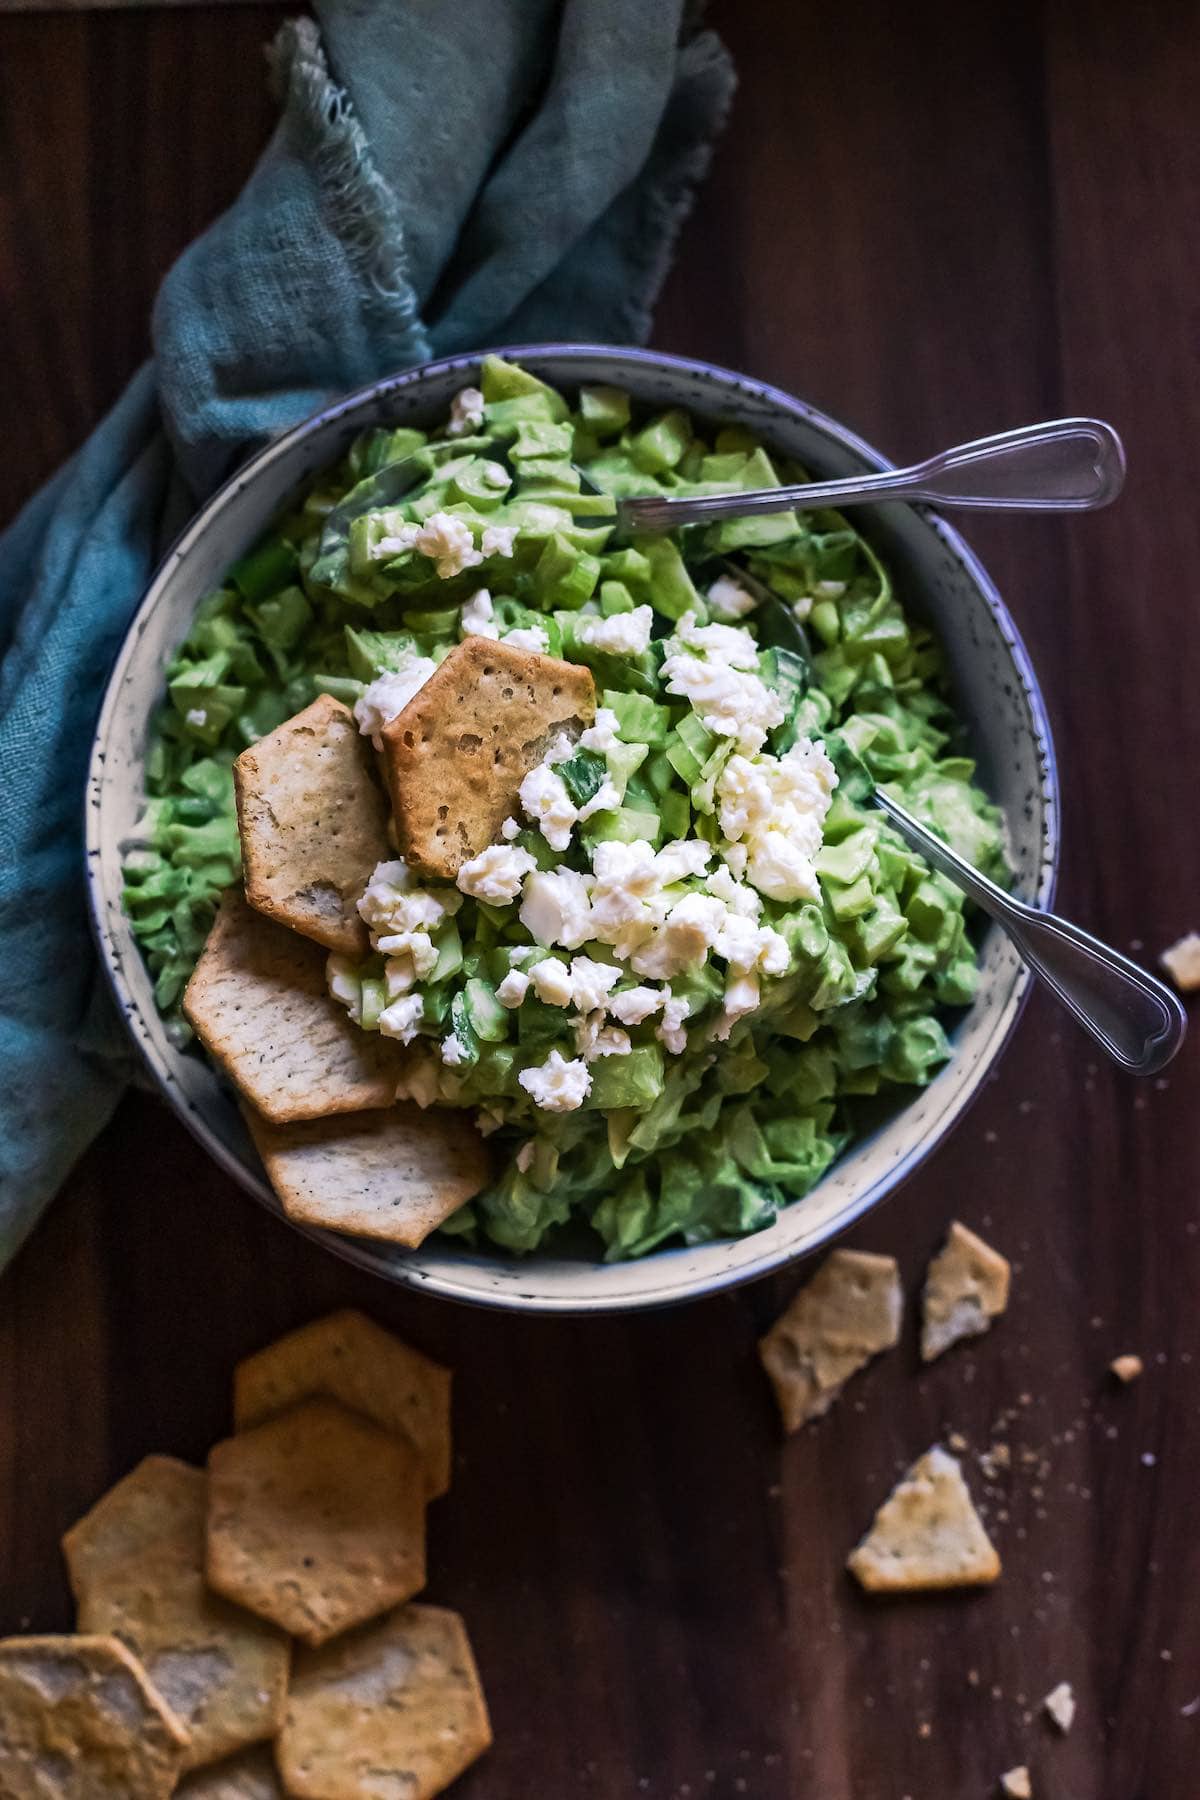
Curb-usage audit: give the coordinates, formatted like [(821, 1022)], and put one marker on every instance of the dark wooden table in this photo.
[(934, 221)]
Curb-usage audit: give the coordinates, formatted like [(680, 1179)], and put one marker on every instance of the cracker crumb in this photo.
[(1191, 1709), (924, 1729), (1181, 960), (1016, 1783), (1059, 1705), (1126, 1368), (957, 1442)]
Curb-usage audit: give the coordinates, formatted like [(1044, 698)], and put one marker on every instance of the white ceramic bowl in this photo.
[(938, 577)]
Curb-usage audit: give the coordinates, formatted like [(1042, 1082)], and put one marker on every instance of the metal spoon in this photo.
[(1065, 465), (1136, 1019)]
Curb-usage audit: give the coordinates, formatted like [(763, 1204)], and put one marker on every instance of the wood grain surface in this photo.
[(934, 221)]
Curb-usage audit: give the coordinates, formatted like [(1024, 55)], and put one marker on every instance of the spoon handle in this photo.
[(1065, 465), (1139, 1022)]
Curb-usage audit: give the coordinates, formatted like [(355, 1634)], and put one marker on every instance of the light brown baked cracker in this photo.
[(250, 1776), (222, 1671), (161, 1498), (458, 753), (316, 1520), (396, 1708), (846, 1314), (966, 1287), (312, 818), (80, 1721), (259, 1004), (926, 1534), (351, 1359), (395, 1174)]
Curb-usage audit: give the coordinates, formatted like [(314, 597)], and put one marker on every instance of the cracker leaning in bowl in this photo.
[(312, 824)]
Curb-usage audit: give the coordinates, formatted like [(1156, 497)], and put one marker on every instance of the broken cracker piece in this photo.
[(1182, 962), (456, 756), (846, 1314), (966, 1287), (1126, 1368), (312, 819), (1059, 1705), (1016, 1783), (161, 1498), (395, 1174), (316, 1520), (402, 1696), (250, 1776), (349, 1358), (926, 1534), (221, 1671), (259, 1004), (80, 1721)]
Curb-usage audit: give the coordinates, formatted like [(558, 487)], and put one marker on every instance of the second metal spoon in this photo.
[(1064, 465)]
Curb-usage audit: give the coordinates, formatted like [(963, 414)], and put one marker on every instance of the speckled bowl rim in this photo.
[(515, 1282)]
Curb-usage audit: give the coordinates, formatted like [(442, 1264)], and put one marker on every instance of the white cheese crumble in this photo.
[(741, 997), (555, 909), (527, 637), (513, 988), (624, 634), (466, 412), (729, 600), (714, 667), (498, 540), (196, 716), (671, 1032), (602, 735), (551, 981), (545, 800), (510, 830), (591, 983), (344, 984), (496, 874), (402, 1017), (447, 542), (831, 590), (638, 1003), (595, 1038), (776, 806), (389, 694), (478, 620), (453, 1051), (557, 1085)]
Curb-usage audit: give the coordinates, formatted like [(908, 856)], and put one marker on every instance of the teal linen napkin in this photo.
[(442, 177)]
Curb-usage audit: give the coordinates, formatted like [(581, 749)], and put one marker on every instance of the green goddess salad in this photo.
[(670, 988)]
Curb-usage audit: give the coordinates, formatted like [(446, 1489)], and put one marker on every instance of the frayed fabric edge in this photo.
[(360, 206)]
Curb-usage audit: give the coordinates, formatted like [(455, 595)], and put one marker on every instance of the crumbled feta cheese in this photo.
[(545, 800), (602, 735), (345, 984), (737, 896), (476, 618), (389, 694), (637, 1004), (777, 805), (421, 1079), (453, 1051), (557, 1085), (623, 634), (447, 542), (394, 902), (551, 981), (671, 1032), (399, 537), (746, 946), (593, 1038), (831, 590), (683, 940), (524, 1156), (527, 637), (555, 908), (400, 974), (591, 983), (510, 830), (627, 895), (513, 988), (728, 599), (681, 858), (498, 540), (466, 412), (402, 1017), (714, 668), (741, 997), (196, 716), (801, 608), (411, 956), (496, 874)]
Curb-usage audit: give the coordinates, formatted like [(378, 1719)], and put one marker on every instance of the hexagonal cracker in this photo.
[(351, 1359), (312, 820), (401, 1699), (250, 1776), (79, 1718), (316, 1520), (456, 756), (259, 1004), (161, 1498)]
